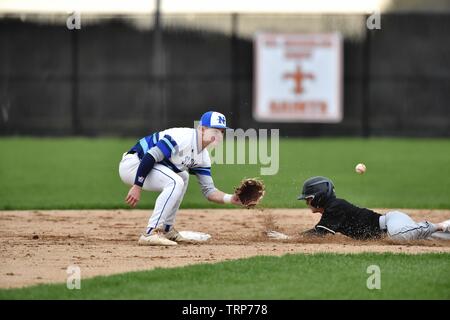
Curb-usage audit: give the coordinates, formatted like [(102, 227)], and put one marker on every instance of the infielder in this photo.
[(341, 216), (162, 162)]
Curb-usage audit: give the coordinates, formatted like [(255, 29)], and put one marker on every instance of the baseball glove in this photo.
[(250, 191)]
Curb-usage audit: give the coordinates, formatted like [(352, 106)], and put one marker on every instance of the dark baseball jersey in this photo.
[(350, 220)]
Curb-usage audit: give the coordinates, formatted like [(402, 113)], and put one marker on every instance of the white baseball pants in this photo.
[(400, 226), (172, 186)]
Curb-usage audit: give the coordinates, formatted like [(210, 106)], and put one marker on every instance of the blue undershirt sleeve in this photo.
[(144, 169)]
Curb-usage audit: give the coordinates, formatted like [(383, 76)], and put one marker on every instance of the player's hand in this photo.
[(235, 200), (134, 195)]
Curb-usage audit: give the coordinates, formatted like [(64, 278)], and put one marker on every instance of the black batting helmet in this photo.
[(320, 189)]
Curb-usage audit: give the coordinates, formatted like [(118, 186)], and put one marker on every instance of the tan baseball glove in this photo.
[(250, 191)]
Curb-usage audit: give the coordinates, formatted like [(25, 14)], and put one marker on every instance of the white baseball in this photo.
[(360, 168)]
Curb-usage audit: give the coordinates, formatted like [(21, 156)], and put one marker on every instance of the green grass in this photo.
[(318, 276), (77, 173)]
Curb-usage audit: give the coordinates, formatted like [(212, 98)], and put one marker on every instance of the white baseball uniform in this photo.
[(177, 152)]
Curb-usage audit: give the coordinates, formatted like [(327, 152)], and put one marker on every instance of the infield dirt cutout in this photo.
[(38, 246)]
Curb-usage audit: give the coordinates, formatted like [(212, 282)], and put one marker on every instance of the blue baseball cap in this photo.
[(213, 119)]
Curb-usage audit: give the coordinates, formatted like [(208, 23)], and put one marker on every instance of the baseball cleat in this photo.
[(155, 239), (174, 235), (446, 225)]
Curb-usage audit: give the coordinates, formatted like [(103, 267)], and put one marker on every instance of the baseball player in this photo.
[(341, 216), (162, 162)]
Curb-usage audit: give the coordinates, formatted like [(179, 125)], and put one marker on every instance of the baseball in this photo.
[(360, 168)]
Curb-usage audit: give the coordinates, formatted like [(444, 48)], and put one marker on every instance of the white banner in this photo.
[(298, 77)]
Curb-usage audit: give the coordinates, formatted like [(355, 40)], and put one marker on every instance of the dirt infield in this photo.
[(38, 246)]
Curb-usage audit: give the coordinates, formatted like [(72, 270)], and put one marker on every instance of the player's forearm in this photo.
[(309, 233), (216, 196), (219, 197), (314, 233), (146, 165)]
